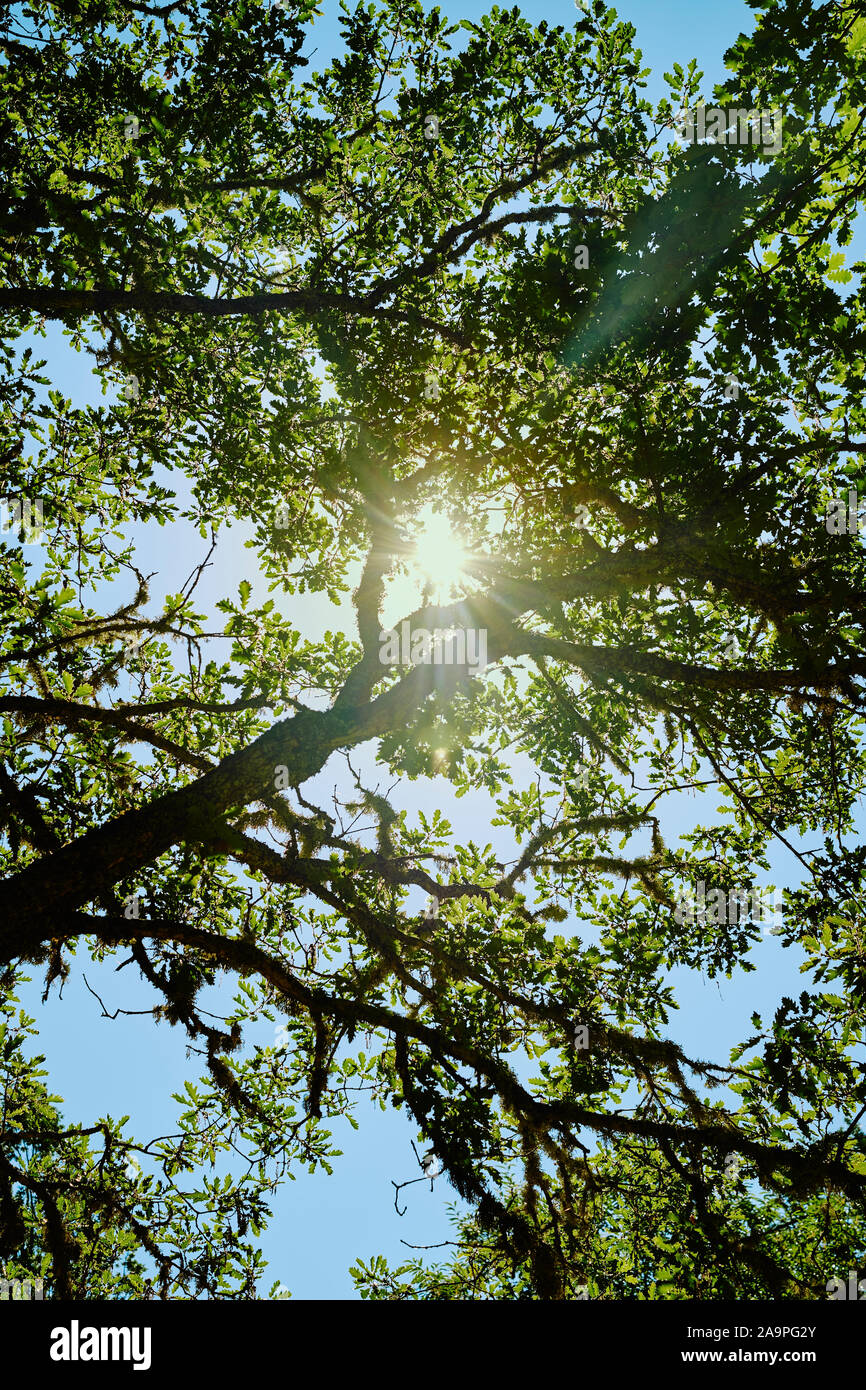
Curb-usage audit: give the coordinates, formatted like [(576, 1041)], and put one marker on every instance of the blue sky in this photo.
[(321, 1224)]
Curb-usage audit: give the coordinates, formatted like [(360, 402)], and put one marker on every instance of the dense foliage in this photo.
[(461, 264)]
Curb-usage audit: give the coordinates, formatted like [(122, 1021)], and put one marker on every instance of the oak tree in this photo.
[(465, 265)]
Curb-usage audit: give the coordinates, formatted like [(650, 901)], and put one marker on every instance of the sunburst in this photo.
[(439, 556)]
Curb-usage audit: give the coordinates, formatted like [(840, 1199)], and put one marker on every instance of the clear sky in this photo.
[(128, 1066)]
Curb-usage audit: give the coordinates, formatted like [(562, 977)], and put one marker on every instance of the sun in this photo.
[(438, 556)]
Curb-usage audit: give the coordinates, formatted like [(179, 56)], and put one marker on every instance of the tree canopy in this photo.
[(463, 266)]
